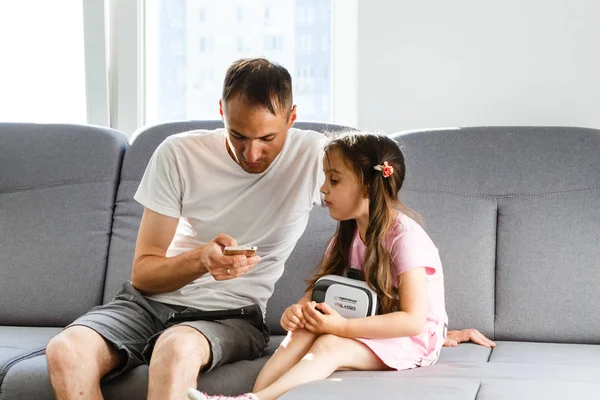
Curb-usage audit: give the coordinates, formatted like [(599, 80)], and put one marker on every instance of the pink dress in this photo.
[(410, 247)]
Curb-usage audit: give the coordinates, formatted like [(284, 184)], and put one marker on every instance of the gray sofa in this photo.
[(515, 213)]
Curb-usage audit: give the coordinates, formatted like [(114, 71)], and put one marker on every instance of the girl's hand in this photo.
[(327, 320), (453, 338), (292, 318)]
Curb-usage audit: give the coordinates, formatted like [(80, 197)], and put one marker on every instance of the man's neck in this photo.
[(231, 153)]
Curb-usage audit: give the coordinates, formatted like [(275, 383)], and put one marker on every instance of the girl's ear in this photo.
[(366, 190)]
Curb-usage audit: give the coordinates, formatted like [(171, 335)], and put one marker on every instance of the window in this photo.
[(325, 102), (306, 15), (307, 106), (306, 43), (273, 43), (305, 79), (126, 64), (42, 72), (305, 72), (267, 16), (301, 15), (310, 15), (325, 45), (277, 33), (205, 78), (206, 44), (241, 45)]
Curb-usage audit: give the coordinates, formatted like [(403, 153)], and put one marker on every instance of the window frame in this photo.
[(115, 63), (96, 67)]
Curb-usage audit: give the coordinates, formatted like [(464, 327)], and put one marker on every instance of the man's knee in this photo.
[(58, 351), (181, 343), (73, 347)]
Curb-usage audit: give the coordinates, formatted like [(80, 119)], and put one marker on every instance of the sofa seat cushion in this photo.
[(502, 389), (386, 386), (547, 353), (399, 388), (518, 361), (20, 343), (29, 379), (511, 370), (230, 379)]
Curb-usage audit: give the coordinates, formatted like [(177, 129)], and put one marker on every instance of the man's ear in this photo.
[(221, 110), (293, 116)]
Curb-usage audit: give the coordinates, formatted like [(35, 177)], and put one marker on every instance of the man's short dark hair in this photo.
[(261, 83)]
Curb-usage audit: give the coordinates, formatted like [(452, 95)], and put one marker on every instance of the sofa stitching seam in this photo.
[(497, 230), (131, 180), (478, 389), (505, 196), (52, 185), (8, 365), (112, 223)]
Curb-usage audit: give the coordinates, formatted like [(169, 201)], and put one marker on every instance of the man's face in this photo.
[(254, 135)]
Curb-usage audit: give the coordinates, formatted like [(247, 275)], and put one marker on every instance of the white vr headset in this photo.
[(351, 298)]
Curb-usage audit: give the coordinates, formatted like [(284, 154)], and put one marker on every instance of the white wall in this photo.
[(436, 63)]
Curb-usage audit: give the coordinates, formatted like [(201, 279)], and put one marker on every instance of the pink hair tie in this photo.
[(385, 168)]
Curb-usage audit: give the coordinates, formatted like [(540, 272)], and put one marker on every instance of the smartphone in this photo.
[(247, 251)]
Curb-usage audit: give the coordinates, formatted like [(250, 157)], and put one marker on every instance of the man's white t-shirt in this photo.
[(191, 176)]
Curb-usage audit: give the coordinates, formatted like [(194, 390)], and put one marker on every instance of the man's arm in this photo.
[(154, 273)]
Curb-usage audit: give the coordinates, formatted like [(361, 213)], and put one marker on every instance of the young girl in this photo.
[(364, 173)]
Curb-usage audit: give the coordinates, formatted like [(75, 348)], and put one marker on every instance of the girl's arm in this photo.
[(409, 321)]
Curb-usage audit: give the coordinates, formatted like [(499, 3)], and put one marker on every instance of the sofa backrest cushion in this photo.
[(57, 191), (515, 213)]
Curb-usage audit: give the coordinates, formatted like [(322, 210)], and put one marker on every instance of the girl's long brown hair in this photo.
[(362, 152)]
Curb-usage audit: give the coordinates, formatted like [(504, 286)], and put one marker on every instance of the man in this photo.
[(244, 180), (202, 191)]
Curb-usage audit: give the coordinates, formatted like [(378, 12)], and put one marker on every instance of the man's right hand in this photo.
[(223, 267), (292, 318)]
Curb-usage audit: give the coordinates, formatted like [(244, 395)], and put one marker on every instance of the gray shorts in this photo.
[(132, 323)]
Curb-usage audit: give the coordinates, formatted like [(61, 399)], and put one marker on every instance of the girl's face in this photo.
[(344, 194)]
